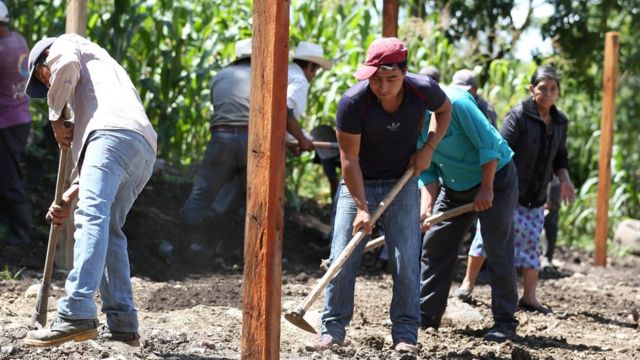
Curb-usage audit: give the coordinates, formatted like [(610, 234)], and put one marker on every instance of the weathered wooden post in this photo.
[(390, 10), (611, 48), (76, 23), (261, 308)]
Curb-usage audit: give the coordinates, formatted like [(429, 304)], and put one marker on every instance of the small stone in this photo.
[(182, 338), (32, 291), (623, 350), (208, 344), (197, 350), (9, 350)]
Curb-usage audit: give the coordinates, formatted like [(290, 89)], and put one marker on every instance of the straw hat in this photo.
[(243, 49), (312, 52)]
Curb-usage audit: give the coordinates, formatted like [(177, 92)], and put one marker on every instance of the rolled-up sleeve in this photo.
[(64, 62), (427, 176)]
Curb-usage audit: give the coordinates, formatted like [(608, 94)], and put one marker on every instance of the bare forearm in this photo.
[(439, 127), (72, 192), (294, 128), (428, 195), (563, 175), (488, 174), (352, 174)]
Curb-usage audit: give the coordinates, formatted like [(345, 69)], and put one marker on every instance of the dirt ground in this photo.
[(194, 311)]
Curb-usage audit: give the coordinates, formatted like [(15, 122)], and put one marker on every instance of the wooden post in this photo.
[(611, 47), (76, 17), (76, 23), (390, 18), (261, 308)]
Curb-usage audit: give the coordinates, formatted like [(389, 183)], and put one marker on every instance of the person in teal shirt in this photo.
[(472, 163)]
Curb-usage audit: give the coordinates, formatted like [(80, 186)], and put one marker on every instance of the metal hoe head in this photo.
[(296, 317)]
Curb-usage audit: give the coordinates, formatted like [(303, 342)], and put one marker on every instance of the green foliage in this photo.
[(578, 27), (172, 49), (8, 274)]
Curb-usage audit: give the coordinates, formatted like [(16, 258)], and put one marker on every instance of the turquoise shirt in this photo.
[(470, 142)]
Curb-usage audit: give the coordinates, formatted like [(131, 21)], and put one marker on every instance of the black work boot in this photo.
[(131, 338), (63, 330)]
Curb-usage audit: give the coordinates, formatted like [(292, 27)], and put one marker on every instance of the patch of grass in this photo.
[(8, 274)]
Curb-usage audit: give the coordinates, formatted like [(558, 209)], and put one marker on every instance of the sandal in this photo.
[(533, 308)]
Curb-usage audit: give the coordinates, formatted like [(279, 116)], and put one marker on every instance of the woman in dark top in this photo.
[(537, 133)]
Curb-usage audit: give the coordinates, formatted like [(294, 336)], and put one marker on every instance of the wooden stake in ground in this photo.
[(265, 181), (390, 10), (76, 23), (611, 48)]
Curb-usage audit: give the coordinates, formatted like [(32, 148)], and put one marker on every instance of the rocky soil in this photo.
[(194, 312)]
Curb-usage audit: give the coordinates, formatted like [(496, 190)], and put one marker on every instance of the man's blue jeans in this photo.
[(117, 164), (402, 235)]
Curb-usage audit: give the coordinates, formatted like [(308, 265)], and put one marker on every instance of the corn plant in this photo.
[(173, 48)]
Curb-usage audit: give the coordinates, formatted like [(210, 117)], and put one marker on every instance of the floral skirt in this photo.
[(528, 224)]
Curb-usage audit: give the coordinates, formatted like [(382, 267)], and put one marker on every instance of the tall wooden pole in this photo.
[(76, 17), (611, 48), (390, 18), (76, 23), (261, 308)]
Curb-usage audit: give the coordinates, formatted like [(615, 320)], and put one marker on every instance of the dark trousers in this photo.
[(15, 205), (224, 160), (442, 242)]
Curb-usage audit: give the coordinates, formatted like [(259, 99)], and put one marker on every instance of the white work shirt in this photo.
[(97, 89), (297, 90)]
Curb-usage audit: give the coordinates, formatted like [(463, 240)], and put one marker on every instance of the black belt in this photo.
[(230, 128)]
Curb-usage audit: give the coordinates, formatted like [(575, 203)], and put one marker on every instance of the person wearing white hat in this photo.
[(113, 147), (307, 59), (15, 124), (221, 176)]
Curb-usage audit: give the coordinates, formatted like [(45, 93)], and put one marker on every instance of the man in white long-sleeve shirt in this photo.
[(114, 149), (307, 59), (225, 160)]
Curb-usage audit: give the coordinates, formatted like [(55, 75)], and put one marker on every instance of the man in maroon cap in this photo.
[(378, 122)]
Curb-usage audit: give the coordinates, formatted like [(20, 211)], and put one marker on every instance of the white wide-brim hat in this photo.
[(243, 49), (312, 52)]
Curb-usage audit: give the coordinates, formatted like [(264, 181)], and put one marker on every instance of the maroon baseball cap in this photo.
[(386, 50)]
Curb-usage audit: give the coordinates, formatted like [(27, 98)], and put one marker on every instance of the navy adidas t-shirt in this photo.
[(387, 140)]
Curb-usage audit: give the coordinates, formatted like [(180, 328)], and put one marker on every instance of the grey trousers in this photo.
[(441, 245)]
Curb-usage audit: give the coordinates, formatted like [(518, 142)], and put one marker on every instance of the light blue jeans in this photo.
[(402, 233), (117, 164)]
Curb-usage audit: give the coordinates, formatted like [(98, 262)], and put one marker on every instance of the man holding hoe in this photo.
[(378, 122), (114, 149)]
